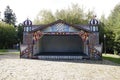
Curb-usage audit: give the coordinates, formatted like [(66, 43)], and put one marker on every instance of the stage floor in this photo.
[(61, 54)]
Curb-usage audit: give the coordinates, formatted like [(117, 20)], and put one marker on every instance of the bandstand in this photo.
[(61, 40)]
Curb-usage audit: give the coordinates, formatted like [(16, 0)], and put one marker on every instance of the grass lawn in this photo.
[(112, 57), (5, 51)]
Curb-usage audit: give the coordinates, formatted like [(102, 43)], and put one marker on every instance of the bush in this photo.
[(8, 36)]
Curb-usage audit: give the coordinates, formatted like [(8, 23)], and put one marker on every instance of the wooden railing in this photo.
[(96, 54), (25, 51)]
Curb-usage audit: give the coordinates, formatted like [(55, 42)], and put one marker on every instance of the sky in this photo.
[(30, 8)]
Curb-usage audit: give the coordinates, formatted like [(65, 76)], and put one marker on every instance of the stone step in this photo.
[(60, 57)]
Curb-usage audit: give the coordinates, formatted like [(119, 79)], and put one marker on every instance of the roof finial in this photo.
[(94, 16), (27, 18), (93, 21)]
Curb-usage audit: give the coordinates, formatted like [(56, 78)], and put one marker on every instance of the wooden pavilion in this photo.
[(61, 40)]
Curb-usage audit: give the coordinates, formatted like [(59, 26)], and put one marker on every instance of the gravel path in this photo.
[(13, 68)]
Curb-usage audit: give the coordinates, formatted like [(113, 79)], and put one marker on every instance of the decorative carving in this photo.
[(60, 27), (37, 35), (83, 35)]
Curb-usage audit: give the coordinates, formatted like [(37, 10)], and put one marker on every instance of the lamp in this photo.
[(104, 43)]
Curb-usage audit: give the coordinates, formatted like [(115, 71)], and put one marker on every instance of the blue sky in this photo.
[(30, 8)]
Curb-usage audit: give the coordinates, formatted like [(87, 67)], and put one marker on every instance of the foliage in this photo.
[(20, 33), (9, 16), (110, 36), (7, 35), (101, 27), (112, 30), (46, 17), (73, 15)]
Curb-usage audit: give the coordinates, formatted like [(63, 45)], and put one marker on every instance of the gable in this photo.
[(60, 27)]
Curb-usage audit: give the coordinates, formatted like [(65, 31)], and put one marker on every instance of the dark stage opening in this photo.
[(61, 45)]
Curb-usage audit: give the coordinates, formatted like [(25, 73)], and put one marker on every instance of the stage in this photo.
[(61, 55)]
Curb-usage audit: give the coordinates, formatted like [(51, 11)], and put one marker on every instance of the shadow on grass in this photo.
[(2, 54), (3, 50), (113, 59)]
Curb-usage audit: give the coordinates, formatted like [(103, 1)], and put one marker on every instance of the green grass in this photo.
[(3, 50), (112, 57), (3, 53)]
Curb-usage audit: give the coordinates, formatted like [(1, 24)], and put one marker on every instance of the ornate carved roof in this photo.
[(41, 27)]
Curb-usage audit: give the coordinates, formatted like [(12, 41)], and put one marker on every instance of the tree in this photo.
[(102, 26), (9, 16), (113, 29), (8, 35), (44, 17), (73, 15), (20, 33)]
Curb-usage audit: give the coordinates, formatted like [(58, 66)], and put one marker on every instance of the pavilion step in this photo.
[(60, 57)]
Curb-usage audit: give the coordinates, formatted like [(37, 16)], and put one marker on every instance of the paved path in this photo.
[(12, 50), (13, 68)]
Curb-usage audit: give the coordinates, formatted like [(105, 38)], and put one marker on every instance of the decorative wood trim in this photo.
[(40, 27)]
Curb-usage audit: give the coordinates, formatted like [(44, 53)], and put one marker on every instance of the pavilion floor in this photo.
[(61, 54)]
